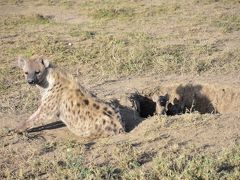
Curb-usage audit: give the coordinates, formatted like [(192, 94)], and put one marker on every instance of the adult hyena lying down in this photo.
[(64, 98)]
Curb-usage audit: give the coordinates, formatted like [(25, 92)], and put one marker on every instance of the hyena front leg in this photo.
[(47, 111)]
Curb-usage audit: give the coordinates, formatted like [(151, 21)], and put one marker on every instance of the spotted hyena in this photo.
[(62, 97)]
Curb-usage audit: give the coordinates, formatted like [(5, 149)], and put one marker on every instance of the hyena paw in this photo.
[(21, 127)]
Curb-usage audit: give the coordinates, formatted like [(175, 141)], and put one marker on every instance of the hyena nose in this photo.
[(31, 81)]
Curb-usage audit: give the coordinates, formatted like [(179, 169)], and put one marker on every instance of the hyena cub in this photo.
[(65, 99)]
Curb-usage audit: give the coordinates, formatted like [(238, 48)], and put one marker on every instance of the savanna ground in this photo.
[(115, 47)]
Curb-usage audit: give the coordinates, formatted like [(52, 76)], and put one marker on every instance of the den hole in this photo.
[(179, 100), (189, 98)]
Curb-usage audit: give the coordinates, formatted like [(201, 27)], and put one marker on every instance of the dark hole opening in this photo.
[(184, 99)]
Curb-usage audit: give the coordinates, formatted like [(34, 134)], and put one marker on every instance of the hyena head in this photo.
[(35, 69)]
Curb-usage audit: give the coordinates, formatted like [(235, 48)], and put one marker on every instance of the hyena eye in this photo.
[(37, 72), (26, 73)]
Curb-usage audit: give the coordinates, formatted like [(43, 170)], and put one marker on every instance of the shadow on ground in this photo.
[(50, 126)]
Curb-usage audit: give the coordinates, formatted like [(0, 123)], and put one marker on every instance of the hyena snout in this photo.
[(32, 80)]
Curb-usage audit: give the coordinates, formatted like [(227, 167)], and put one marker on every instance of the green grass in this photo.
[(34, 19), (126, 45), (113, 13), (225, 165), (228, 23), (83, 35), (186, 165), (217, 1)]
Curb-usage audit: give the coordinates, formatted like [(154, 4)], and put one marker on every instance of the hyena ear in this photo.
[(21, 61), (45, 62)]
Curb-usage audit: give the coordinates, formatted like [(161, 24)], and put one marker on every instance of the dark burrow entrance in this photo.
[(179, 99)]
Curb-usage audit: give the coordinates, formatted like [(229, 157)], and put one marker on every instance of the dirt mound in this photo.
[(204, 97), (178, 97)]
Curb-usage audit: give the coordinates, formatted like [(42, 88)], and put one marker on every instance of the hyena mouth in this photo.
[(32, 84)]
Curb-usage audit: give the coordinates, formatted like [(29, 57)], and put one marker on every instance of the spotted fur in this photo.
[(64, 98)]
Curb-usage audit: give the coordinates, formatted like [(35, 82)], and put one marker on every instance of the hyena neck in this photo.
[(44, 83)]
